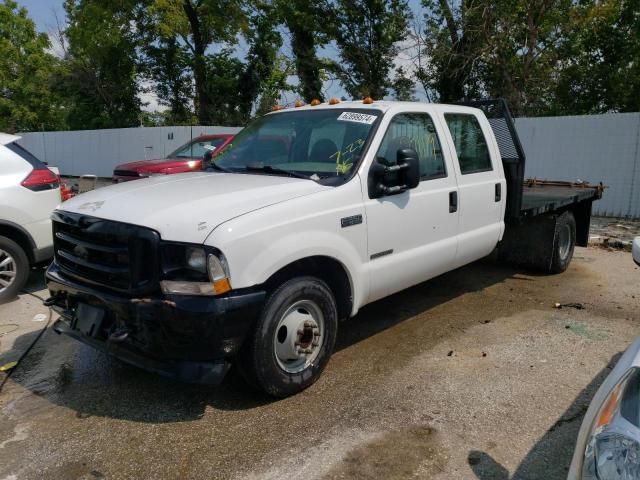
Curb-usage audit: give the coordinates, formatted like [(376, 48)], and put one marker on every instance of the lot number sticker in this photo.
[(357, 117)]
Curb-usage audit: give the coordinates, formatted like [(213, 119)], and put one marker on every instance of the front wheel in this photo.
[(293, 338)]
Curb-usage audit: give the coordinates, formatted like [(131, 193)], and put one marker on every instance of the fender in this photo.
[(258, 244), (22, 232)]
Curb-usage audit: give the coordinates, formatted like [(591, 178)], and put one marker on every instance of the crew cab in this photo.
[(187, 158), (255, 262)]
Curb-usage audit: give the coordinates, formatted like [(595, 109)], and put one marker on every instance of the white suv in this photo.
[(29, 192)]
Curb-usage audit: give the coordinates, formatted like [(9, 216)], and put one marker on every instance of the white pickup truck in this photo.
[(311, 213)]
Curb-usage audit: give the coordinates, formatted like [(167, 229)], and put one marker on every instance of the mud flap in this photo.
[(530, 244)]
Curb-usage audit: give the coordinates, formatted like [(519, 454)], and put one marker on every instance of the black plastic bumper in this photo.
[(189, 338)]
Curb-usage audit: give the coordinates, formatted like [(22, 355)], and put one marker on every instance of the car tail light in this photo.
[(41, 179)]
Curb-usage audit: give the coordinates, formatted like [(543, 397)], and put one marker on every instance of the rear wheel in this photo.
[(14, 269), (564, 242), (293, 339)]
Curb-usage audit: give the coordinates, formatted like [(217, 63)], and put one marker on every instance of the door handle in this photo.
[(498, 192), (453, 202)]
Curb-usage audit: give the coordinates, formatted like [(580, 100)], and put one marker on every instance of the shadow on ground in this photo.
[(550, 457), (90, 383)]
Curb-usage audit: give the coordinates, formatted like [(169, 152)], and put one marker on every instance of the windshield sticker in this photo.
[(357, 117)]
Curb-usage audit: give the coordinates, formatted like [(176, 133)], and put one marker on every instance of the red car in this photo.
[(187, 158)]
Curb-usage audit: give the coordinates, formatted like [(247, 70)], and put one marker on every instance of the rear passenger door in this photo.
[(480, 187)]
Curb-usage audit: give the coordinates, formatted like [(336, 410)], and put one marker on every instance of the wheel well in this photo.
[(328, 269), (20, 237)]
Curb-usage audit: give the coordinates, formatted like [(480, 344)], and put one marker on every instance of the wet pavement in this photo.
[(472, 375)]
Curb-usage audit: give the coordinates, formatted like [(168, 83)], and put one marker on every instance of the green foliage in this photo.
[(101, 80), (27, 73), (601, 61), (308, 28), (403, 87), (367, 33), (546, 57)]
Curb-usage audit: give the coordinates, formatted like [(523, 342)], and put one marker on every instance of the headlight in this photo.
[(193, 270), (613, 447)]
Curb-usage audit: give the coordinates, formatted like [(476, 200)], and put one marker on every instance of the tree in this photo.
[(101, 78), (27, 72), (454, 41), (306, 22), (201, 26), (265, 42), (167, 68), (367, 33), (403, 87), (601, 61), (497, 48)]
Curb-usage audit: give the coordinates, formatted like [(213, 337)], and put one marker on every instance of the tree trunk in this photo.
[(202, 100)]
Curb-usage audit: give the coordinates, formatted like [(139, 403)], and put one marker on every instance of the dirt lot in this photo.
[(473, 375)]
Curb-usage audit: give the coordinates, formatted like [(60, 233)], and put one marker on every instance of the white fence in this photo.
[(98, 151), (595, 148)]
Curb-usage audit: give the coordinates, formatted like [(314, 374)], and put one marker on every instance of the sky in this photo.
[(44, 13)]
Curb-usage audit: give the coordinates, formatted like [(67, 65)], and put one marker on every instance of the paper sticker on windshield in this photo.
[(357, 117)]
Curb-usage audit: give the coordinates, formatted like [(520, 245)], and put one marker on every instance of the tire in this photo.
[(14, 269), (293, 338), (564, 242)]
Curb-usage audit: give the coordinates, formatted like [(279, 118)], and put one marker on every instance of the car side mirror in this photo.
[(208, 155), (635, 250), (410, 174), (407, 170)]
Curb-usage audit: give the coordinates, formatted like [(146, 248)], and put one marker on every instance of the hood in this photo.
[(156, 164), (187, 207)]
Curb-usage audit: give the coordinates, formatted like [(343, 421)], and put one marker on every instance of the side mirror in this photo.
[(392, 179), (635, 250), (410, 174), (206, 158)]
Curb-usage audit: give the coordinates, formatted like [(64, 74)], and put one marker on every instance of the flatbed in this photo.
[(539, 197)]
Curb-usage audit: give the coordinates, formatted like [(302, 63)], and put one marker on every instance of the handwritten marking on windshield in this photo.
[(344, 159)]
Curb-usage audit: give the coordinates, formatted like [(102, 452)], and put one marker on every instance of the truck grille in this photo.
[(105, 253)]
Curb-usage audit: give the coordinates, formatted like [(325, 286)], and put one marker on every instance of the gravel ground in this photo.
[(473, 375)]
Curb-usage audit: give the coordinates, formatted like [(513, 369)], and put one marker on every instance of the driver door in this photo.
[(412, 236)]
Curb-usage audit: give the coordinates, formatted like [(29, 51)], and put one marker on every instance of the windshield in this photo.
[(312, 143), (197, 148)]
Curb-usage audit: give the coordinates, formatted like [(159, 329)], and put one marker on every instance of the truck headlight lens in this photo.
[(193, 270), (613, 447)]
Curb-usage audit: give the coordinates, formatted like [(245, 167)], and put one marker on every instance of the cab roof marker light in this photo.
[(314, 102), (367, 100), (299, 103), (275, 108), (334, 101)]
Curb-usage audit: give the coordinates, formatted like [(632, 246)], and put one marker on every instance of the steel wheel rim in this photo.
[(7, 270), (564, 241), (299, 336)]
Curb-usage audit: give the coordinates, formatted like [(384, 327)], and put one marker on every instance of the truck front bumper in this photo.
[(188, 338)]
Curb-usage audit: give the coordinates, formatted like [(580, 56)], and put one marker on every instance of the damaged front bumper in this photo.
[(188, 338)]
